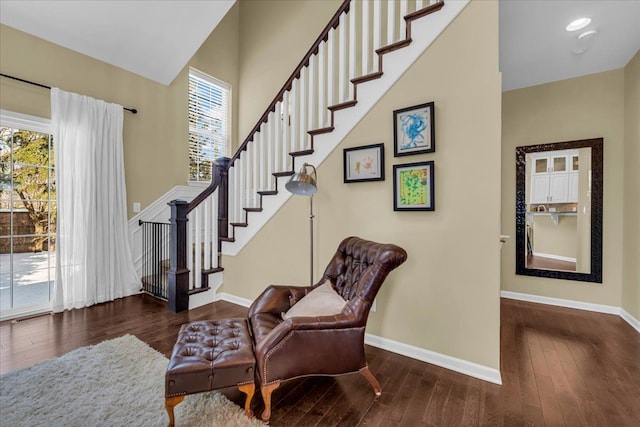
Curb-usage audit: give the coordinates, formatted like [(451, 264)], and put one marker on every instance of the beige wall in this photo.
[(153, 129), (274, 37), (155, 139), (445, 298), (580, 108), (555, 239), (631, 249)]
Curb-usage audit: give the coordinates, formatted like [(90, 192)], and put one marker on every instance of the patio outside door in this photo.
[(27, 215)]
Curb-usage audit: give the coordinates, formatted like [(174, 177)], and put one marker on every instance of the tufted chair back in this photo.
[(358, 269)]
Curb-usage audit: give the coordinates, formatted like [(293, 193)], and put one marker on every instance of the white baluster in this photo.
[(255, 156), (343, 65), (331, 60), (377, 26), (353, 14), (322, 85), (286, 132), (302, 114), (248, 168), (404, 10), (197, 254), (312, 97), (391, 21), (278, 140), (270, 157), (208, 222), (366, 47), (190, 225), (258, 165), (294, 109), (241, 180), (215, 232), (419, 4)]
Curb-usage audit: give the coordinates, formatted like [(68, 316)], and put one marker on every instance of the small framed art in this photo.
[(413, 187), (414, 130), (364, 163)]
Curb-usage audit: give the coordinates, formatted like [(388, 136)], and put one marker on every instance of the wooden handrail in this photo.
[(333, 23), (221, 162)]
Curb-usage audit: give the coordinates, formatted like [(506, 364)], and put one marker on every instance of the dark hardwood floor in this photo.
[(559, 367)]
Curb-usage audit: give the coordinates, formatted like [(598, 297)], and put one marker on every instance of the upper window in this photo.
[(209, 123)]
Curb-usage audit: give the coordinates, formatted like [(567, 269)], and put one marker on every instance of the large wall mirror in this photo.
[(559, 210)]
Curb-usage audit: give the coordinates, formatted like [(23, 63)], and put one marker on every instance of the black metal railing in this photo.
[(155, 257)]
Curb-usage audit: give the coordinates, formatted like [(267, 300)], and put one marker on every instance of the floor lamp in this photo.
[(304, 183)]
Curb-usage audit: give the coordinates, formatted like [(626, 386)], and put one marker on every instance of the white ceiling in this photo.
[(156, 38), (536, 49)]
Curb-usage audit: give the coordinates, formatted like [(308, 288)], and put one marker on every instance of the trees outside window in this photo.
[(27, 188)]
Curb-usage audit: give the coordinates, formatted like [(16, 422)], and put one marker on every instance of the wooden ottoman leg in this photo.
[(170, 403), (249, 390), (266, 391)]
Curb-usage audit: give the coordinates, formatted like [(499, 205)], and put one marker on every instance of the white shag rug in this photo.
[(119, 382)]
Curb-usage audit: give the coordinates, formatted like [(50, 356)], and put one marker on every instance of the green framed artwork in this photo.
[(413, 187)]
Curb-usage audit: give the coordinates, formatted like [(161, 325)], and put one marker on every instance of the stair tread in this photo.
[(367, 77), (268, 192), (253, 209), (286, 173), (198, 290), (424, 11), (239, 224), (300, 153), (226, 239), (393, 46), (343, 105), (321, 130), (212, 270)]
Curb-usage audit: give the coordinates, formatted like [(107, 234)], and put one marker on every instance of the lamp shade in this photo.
[(303, 183)]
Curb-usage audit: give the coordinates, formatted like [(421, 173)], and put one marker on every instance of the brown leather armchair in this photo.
[(323, 345)]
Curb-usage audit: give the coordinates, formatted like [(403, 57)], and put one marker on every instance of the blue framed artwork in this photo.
[(414, 130)]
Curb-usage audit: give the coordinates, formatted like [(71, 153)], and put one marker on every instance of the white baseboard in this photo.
[(598, 308), (635, 323), (223, 296), (453, 363), (462, 366)]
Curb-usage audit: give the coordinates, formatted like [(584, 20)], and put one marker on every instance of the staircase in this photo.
[(361, 53)]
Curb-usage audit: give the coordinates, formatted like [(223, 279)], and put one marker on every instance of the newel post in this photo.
[(178, 292), (221, 171)]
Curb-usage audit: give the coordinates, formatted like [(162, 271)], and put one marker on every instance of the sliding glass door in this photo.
[(27, 215)]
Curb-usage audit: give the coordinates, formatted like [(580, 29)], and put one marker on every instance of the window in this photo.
[(209, 120), (27, 215)]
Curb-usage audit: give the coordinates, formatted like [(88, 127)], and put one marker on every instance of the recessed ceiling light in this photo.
[(578, 24), (589, 34)]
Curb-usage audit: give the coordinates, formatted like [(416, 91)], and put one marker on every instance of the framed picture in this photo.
[(364, 163), (413, 187), (414, 130)]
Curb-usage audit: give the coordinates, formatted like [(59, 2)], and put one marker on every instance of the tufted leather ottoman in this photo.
[(210, 355)]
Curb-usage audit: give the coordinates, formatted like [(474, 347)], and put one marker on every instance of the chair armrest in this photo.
[(277, 299), (313, 323)]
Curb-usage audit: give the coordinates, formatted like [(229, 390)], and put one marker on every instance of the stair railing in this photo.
[(347, 53)]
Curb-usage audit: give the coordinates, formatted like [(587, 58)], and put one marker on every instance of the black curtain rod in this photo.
[(133, 110)]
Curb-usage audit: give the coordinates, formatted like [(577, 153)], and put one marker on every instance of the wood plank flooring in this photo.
[(559, 367)]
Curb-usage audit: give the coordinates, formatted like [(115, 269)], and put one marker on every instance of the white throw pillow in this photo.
[(322, 301)]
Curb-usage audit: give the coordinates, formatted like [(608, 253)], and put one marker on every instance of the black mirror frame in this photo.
[(597, 161)]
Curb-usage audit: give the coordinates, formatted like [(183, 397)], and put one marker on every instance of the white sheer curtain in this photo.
[(93, 257)]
